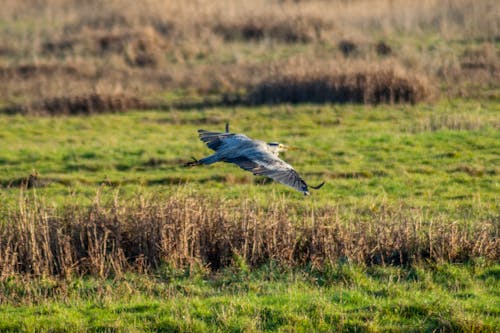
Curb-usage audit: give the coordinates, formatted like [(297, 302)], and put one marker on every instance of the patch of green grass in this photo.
[(343, 297), (442, 157)]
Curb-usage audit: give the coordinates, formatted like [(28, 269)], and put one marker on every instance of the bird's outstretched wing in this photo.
[(215, 139), (251, 155), (274, 168)]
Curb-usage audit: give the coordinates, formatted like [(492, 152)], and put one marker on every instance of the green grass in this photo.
[(441, 157), (340, 298)]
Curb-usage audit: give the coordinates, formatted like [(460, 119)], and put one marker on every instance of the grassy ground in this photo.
[(86, 201), (339, 298), (443, 157)]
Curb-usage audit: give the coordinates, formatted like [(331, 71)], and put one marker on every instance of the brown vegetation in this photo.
[(383, 49), (365, 85), (347, 47), (222, 47), (29, 71), (80, 104), (484, 57), (140, 47), (293, 81), (288, 29), (105, 240)]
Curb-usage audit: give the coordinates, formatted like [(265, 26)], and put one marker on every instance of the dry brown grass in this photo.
[(206, 47), (288, 29), (293, 81), (383, 49), (358, 83), (106, 240), (347, 47), (29, 71), (451, 19), (79, 104), (485, 57), (140, 47)]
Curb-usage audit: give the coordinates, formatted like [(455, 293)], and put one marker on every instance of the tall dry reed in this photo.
[(107, 240)]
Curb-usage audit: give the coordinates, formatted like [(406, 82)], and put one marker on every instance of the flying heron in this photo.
[(259, 157)]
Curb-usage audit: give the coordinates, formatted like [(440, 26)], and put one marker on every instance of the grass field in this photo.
[(367, 155), (437, 161), (340, 298), (394, 104)]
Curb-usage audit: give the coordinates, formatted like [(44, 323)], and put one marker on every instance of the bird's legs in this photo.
[(194, 162)]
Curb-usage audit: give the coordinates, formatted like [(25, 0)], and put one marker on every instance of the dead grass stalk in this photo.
[(107, 240)]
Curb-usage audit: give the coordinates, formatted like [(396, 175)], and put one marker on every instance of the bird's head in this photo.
[(277, 147)]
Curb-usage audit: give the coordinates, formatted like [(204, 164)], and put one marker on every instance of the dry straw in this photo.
[(184, 229), (80, 104), (342, 82)]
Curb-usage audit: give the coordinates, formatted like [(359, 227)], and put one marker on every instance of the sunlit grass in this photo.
[(442, 157), (343, 297)]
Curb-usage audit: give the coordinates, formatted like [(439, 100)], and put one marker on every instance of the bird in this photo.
[(259, 157)]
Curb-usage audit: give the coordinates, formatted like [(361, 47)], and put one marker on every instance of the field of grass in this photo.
[(342, 297), (443, 157), (394, 104), (437, 162)]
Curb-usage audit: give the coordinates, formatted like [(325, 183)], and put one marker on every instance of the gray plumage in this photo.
[(256, 156)]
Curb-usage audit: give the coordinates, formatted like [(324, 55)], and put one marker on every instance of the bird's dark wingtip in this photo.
[(317, 187)]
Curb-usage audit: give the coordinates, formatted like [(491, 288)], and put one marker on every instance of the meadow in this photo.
[(411, 186), (343, 297), (394, 105)]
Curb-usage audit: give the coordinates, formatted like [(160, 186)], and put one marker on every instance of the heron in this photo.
[(259, 157)]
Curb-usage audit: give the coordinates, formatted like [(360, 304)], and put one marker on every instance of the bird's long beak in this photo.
[(291, 148)]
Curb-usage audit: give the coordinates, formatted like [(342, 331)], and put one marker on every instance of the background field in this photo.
[(440, 156), (394, 104)]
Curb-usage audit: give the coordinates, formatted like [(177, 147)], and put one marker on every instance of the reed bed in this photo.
[(106, 240), (325, 83)]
